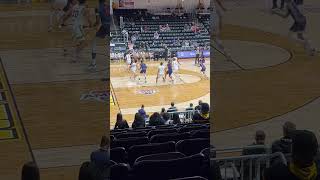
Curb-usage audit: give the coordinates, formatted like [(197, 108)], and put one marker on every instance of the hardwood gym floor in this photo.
[(62, 106)]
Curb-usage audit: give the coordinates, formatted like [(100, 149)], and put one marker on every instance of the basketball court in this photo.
[(189, 87), (52, 111), (271, 79)]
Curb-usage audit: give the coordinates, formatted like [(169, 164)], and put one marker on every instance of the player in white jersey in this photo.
[(161, 73), (133, 69), (128, 60), (216, 23), (176, 66), (79, 14), (58, 8)]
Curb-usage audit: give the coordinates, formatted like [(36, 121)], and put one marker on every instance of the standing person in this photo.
[(161, 71), (103, 25), (176, 65), (79, 12), (297, 30), (166, 53), (216, 18), (196, 61), (203, 67), (128, 61), (143, 71), (58, 8), (133, 69), (169, 71)]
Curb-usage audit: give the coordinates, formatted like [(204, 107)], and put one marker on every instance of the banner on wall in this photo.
[(191, 54), (126, 4)]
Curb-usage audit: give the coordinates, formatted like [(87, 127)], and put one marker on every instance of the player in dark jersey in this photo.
[(203, 67), (299, 25), (143, 71), (103, 29), (169, 71)]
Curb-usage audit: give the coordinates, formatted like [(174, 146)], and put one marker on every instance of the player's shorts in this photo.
[(203, 69), (78, 33), (170, 73), (160, 75), (143, 71), (102, 32), (299, 26)]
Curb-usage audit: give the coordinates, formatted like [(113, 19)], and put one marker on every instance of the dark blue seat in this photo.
[(192, 146), (192, 128), (146, 149), (160, 138), (161, 131), (202, 133), (119, 171), (191, 178), (118, 154), (131, 134), (168, 169), (128, 142)]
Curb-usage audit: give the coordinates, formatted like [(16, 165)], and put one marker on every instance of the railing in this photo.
[(245, 166)]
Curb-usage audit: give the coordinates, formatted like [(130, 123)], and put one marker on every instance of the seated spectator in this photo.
[(198, 107), (284, 144), (101, 156), (260, 138), (172, 108), (142, 112), (88, 172), (166, 117), (156, 120), (176, 119), (30, 171), (138, 121), (121, 123), (303, 165), (163, 110), (190, 108), (167, 28), (204, 115)]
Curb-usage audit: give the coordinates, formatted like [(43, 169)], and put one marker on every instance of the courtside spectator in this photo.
[(156, 120), (198, 107), (30, 171), (204, 115), (190, 108), (284, 144), (260, 138), (121, 123), (138, 121), (172, 108), (163, 110), (101, 156), (303, 165), (166, 117)]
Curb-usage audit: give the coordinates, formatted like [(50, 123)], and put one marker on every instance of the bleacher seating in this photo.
[(161, 148)]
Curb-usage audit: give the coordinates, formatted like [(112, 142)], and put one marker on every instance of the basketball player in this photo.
[(160, 74), (216, 21), (203, 67), (176, 65), (133, 68), (299, 25), (103, 29), (79, 12), (58, 8), (143, 71), (128, 60), (170, 71)]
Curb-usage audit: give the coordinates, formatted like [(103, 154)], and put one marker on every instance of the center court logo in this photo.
[(101, 96), (147, 91)]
